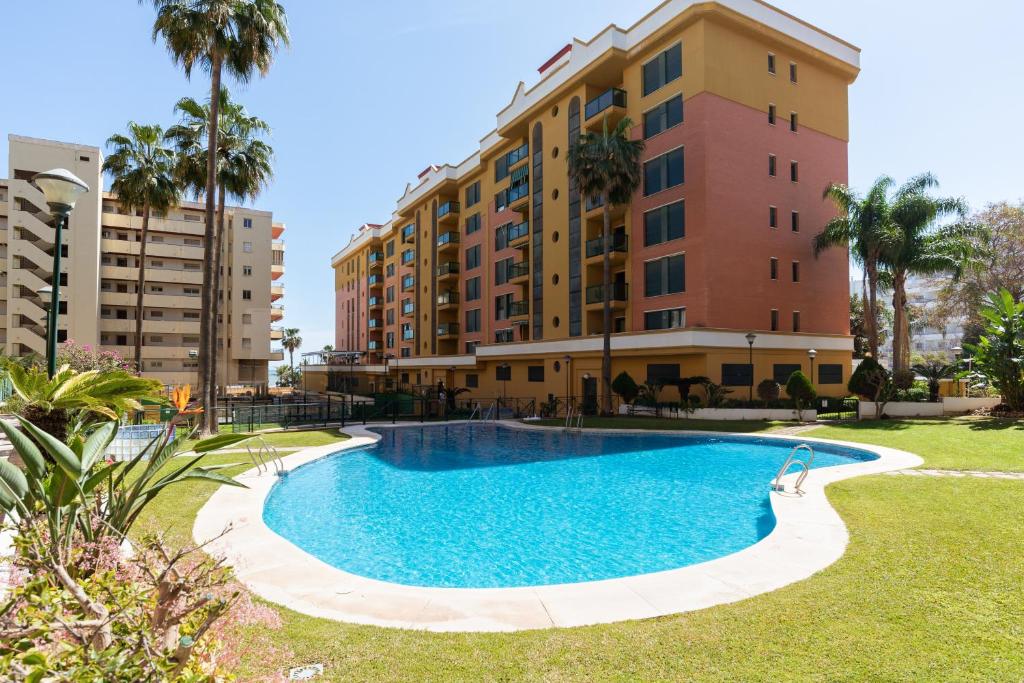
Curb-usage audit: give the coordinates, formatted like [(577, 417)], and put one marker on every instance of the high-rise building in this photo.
[(488, 274), (100, 269)]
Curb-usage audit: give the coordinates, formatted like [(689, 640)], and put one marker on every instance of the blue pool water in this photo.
[(482, 506)]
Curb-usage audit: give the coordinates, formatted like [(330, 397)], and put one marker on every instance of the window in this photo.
[(794, 171), (408, 256), (534, 373), (792, 121), (796, 271), (771, 114), (737, 375), (830, 373), (502, 373), (664, 116), (389, 270), (665, 319), (662, 373), (664, 224), (771, 165), (194, 315), (501, 270), (502, 306), (247, 318), (389, 316), (246, 222), (247, 270), (782, 371), (122, 340), (247, 247), (775, 321), (773, 217), (389, 339), (191, 291), (406, 352), (472, 381), (389, 295), (473, 320), (473, 257), (473, 194), (389, 248), (796, 321), (506, 161), (663, 172), (665, 275), (774, 267), (246, 294), (665, 68), (792, 72), (472, 224), (794, 221), (473, 289), (471, 347), (771, 63)]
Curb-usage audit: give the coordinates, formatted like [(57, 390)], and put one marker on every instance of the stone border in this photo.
[(809, 535)]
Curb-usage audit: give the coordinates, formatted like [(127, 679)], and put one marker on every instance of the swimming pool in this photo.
[(485, 506)]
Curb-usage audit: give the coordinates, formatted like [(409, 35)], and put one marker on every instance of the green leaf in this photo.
[(61, 488), (200, 473), (13, 485), (97, 444), (65, 457), (220, 441), (28, 451)]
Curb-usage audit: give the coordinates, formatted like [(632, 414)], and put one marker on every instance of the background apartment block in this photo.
[(100, 269), (498, 259)]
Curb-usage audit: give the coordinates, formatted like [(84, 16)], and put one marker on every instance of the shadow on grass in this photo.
[(986, 424)]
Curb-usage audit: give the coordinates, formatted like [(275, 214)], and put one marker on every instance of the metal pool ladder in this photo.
[(573, 420), (264, 454), (805, 467)]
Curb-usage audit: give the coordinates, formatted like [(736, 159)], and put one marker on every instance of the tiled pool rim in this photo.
[(808, 536)]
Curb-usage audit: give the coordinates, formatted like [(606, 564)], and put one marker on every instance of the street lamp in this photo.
[(750, 343), (61, 188), (811, 354), (568, 366)]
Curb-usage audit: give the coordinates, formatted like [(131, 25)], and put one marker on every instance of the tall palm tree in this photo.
[(241, 36), (606, 165), (142, 168), (291, 341), (923, 248), (862, 226)]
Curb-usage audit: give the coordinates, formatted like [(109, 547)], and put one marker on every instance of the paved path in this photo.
[(796, 429), (958, 473)]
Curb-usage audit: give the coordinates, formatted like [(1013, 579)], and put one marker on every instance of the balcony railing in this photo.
[(509, 197), (375, 323), (408, 334), (448, 268), (514, 270), (620, 292), (375, 280), (409, 233), (447, 329), (447, 238), (613, 97), (447, 298), (408, 309), (375, 301), (518, 308), (449, 208), (503, 336), (374, 345), (595, 247), (408, 257), (518, 231), (376, 257), (593, 203)]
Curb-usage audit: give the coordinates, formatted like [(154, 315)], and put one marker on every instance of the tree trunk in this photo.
[(871, 308), (215, 324), (606, 348), (141, 288), (899, 324), (205, 343)]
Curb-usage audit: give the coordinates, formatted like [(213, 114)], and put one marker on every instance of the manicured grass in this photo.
[(740, 426), (294, 439), (967, 443), (928, 590)]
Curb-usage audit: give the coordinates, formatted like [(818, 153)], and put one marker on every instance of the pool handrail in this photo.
[(805, 466)]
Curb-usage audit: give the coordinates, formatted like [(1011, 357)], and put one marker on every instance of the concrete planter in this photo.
[(952, 405)]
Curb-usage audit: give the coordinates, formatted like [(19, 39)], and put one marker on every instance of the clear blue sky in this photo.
[(372, 92)]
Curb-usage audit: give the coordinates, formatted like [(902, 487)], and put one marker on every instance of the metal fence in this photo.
[(830, 408)]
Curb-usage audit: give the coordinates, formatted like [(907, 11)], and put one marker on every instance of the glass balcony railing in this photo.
[(620, 292), (408, 257), (408, 282), (448, 268), (447, 298), (447, 329), (376, 257), (447, 238), (375, 280), (375, 301), (449, 208), (408, 309), (518, 231), (408, 334), (613, 97), (374, 345), (595, 247), (514, 270), (375, 323), (518, 308), (409, 233)]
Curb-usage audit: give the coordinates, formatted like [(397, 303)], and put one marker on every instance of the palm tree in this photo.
[(291, 341), (606, 165), (242, 36), (143, 178), (921, 248), (862, 226), (934, 371)]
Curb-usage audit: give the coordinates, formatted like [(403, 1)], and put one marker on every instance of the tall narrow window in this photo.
[(796, 271), (473, 194), (792, 72), (664, 223), (771, 114), (775, 321), (774, 267), (792, 121), (773, 217), (796, 321), (663, 172), (794, 221), (771, 63), (794, 171), (665, 275), (771, 165), (665, 68), (664, 116)]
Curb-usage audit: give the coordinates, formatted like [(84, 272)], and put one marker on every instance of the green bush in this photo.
[(868, 379), (625, 387), (801, 390), (768, 390)]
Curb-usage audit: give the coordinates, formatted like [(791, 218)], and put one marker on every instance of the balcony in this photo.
[(449, 270), (619, 247), (376, 260), (276, 333), (448, 331), (276, 312), (619, 296), (516, 198), (408, 256), (375, 302), (409, 233), (408, 283), (611, 103), (447, 241), (375, 323), (447, 301), (276, 291), (519, 309), (517, 272), (276, 354), (448, 213), (375, 281), (408, 309), (374, 345), (518, 235), (408, 335)]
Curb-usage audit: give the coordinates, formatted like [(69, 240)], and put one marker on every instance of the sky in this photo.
[(370, 93)]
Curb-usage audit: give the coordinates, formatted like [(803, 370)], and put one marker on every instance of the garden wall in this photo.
[(950, 405), (728, 413), (960, 404)]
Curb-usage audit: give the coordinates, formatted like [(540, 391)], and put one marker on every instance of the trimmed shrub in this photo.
[(625, 387), (801, 390), (868, 379), (768, 390)]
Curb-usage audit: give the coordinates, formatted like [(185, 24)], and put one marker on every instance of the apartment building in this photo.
[(488, 274), (100, 269)]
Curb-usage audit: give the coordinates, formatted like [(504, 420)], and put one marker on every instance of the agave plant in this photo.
[(85, 496), (76, 399)]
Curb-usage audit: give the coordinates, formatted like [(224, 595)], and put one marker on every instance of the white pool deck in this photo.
[(808, 536)]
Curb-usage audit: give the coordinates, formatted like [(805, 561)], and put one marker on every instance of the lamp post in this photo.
[(957, 351), (45, 293), (750, 343), (568, 369), (811, 354), (61, 188), (506, 370)]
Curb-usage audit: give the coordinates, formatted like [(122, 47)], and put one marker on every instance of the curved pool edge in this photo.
[(809, 535)]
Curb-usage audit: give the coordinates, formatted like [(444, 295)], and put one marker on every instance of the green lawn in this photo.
[(625, 422), (293, 439), (928, 590)]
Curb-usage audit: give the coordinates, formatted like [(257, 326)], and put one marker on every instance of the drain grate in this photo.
[(305, 673)]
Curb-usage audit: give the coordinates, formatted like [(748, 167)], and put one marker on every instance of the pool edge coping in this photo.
[(809, 535)]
